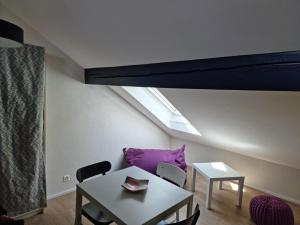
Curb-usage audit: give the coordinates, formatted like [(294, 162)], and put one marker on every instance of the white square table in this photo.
[(160, 200), (217, 171)]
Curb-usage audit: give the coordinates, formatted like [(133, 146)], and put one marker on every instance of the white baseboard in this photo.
[(286, 198), (41, 210), (29, 214), (61, 193)]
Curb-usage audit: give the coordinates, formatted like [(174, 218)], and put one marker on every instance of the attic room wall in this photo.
[(84, 123), (269, 177)]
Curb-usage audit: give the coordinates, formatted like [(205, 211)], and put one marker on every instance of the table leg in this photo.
[(240, 192), (220, 185), (193, 180), (78, 207), (209, 193), (189, 211)]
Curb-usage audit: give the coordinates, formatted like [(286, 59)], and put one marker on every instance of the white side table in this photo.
[(217, 171)]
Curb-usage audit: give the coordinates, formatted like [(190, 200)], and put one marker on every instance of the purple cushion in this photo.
[(270, 210), (148, 159)]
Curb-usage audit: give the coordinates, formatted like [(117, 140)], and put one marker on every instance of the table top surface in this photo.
[(216, 170), (134, 208)]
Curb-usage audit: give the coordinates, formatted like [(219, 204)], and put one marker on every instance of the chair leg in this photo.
[(177, 216)]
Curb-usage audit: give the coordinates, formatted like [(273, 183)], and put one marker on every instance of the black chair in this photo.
[(189, 221), (90, 210), (3, 212)]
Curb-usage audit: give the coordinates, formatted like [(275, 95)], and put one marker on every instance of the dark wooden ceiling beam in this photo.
[(269, 72)]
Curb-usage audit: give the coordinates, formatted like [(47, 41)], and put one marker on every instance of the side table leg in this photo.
[(240, 192), (193, 180), (220, 185), (209, 193)]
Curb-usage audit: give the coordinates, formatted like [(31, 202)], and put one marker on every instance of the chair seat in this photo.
[(93, 213)]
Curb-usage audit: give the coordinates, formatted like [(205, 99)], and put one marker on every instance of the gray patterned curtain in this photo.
[(22, 155)]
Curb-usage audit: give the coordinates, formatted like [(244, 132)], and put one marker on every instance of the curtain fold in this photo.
[(22, 153)]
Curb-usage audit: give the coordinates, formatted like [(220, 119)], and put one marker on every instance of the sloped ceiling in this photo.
[(263, 125), (99, 33)]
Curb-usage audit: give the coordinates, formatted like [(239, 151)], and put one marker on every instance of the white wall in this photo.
[(273, 178), (84, 123)]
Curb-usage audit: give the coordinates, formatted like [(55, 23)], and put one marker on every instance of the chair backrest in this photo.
[(191, 220), (93, 170), (171, 173)]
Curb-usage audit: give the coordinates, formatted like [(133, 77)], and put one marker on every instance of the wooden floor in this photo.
[(60, 210)]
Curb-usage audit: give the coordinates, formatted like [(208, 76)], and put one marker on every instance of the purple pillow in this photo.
[(148, 159)]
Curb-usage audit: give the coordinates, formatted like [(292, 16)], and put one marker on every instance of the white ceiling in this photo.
[(99, 33), (108, 33)]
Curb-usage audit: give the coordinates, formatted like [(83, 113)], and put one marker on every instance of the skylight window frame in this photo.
[(164, 100)]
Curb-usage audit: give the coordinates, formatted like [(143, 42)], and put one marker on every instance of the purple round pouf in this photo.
[(270, 210)]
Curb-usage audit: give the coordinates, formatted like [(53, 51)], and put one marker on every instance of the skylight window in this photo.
[(159, 106)]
